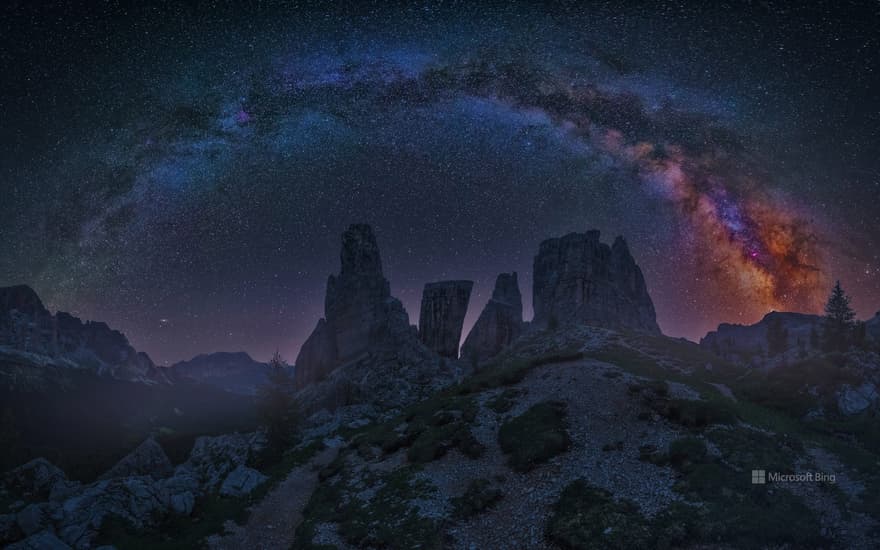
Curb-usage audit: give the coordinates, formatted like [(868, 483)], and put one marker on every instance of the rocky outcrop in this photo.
[(242, 481), (360, 315), (872, 329), (148, 459), (444, 306), (41, 541), (235, 372), (364, 351), (133, 490), (579, 279), (39, 479), (499, 324), (27, 327), (853, 400), (747, 341)]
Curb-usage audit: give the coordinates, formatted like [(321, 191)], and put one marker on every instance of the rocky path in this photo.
[(274, 520)]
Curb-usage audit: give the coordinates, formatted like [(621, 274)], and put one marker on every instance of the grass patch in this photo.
[(387, 519), (504, 401), (588, 518), (506, 372), (480, 495), (535, 436)]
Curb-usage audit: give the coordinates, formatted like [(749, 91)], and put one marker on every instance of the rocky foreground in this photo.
[(585, 428)]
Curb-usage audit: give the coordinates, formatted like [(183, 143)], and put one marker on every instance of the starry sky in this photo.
[(184, 173)]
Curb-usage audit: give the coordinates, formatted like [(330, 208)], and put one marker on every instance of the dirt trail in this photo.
[(274, 520)]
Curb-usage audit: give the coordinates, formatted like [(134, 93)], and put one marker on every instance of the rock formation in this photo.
[(500, 322), (732, 341), (364, 351), (27, 327), (444, 306), (577, 278), (141, 490), (359, 312), (148, 459)]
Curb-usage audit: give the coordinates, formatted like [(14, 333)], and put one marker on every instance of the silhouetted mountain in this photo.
[(234, 372), (31, 335), (746, 342)]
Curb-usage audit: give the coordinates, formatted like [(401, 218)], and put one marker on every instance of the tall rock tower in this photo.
[(444, 306), (577, 278), (359, 312), (499, 324)]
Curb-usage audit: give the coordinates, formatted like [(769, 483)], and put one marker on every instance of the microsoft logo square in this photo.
[(759, 477)]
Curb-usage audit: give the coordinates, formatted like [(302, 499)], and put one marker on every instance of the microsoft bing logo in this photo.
[(759, 477)]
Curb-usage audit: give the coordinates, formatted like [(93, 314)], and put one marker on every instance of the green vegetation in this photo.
[(505, 372), (387, 519), (535, 436), (428, 429), (504, 401), (838, 325), (732, 510), (587, 518), (686, 452), (278, 409), (480, 495)]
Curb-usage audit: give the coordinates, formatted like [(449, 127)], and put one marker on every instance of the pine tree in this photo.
[(839, 321), (278, 408)]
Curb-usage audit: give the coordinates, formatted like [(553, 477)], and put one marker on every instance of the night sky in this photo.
[(184, 174)]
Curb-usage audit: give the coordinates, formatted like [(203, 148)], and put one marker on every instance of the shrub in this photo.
[(479, 496), (535, 436), (587, 517)]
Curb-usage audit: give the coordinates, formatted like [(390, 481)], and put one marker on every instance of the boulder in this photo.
[(579, 279), (500, 322), (444, 306), (33, 518), (41, 541), (147, 459), (40, 479), (853, 400), (9, 529), (241, 481), (213, 458), (137, 500)]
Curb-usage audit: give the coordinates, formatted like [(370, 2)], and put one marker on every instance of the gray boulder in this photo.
[(853, 400), (579, 279), (40, 479), (213, 458), (41, 541), (444, 306), (33, 518), (147, 459), (9, 529), (500, 322), (241, 481), (136, 500)]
